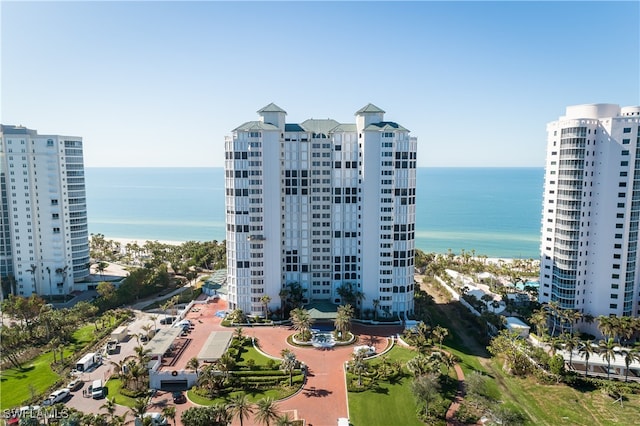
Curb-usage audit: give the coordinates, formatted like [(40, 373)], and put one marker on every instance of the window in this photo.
[(625, 141), (613, 306), (626, 130), (625, 152)]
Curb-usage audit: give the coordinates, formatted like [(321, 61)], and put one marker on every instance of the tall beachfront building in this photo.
[(44, 241), (591, 212), (323, 205)]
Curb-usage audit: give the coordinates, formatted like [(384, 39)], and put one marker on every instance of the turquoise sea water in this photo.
[(494, 211)]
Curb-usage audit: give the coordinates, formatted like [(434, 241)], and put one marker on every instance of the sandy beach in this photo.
[(141, 242)]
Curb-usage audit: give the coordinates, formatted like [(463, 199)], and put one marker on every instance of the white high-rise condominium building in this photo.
[(44, 240), (591, 212), (321, 204)]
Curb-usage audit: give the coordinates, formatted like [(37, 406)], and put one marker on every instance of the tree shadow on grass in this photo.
[(380, 390)]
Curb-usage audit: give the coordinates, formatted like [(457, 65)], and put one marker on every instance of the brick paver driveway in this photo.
[(323, 398)]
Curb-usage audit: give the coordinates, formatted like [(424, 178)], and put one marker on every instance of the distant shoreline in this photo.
[(142, 241)]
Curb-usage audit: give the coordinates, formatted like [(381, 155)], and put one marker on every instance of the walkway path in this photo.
[(455, 405)]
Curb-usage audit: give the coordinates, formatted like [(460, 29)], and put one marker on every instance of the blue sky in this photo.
[(162, 83)]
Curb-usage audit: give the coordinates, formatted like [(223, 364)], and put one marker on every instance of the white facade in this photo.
[(591, 211), (321, 204), (44, 240)]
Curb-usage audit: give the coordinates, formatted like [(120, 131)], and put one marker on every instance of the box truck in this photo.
[(86, 362)]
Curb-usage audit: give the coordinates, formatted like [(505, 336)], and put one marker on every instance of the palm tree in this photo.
[(169, 412), (225, 364), (539, 319), (342, 322), (302, 322), (143, 354), (265, 303), (440, 333), (289, 363), (284, 420), (140, 407), (240, 407), (585, 352), (110, 407), (419, 365), (120, 420), (147, 329), (554, 309), (101, 267), (238, 334), (605, 325), (571, 317), (193, 364), (267, 411), (630, 355), (606, 349), (210, 380), (32, 270), (376, 304), (358, 365), (570, 343), (626, 328)]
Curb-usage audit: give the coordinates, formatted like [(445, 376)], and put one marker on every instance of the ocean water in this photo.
[(494, 211)]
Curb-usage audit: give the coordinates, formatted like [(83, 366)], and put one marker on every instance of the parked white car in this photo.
[(57, 396)]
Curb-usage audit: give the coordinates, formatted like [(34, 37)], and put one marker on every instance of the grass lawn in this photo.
[(83, 335), (253, 394), (249, 352), (390, 403), (541, 404), (114, 386), (570, 406), (16, 386), (37, 376)]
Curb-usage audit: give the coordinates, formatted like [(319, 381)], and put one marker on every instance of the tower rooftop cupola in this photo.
[(369, 114), (273, 114)]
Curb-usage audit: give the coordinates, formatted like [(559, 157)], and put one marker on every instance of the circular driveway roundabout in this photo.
[(323, 398)]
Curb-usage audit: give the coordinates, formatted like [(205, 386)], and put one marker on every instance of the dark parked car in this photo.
[(179, 398)]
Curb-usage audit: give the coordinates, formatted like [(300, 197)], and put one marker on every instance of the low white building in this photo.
[(515, 324)]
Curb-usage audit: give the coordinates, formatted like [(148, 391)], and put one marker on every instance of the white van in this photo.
[(97, 391)]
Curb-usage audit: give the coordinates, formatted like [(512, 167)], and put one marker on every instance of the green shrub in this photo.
[(248, 373)]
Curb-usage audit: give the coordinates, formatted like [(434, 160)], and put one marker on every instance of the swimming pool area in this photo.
[(534, 284)]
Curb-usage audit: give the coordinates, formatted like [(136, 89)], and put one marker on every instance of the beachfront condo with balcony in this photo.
[(44, 240), (591, 211), (321, 207)]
